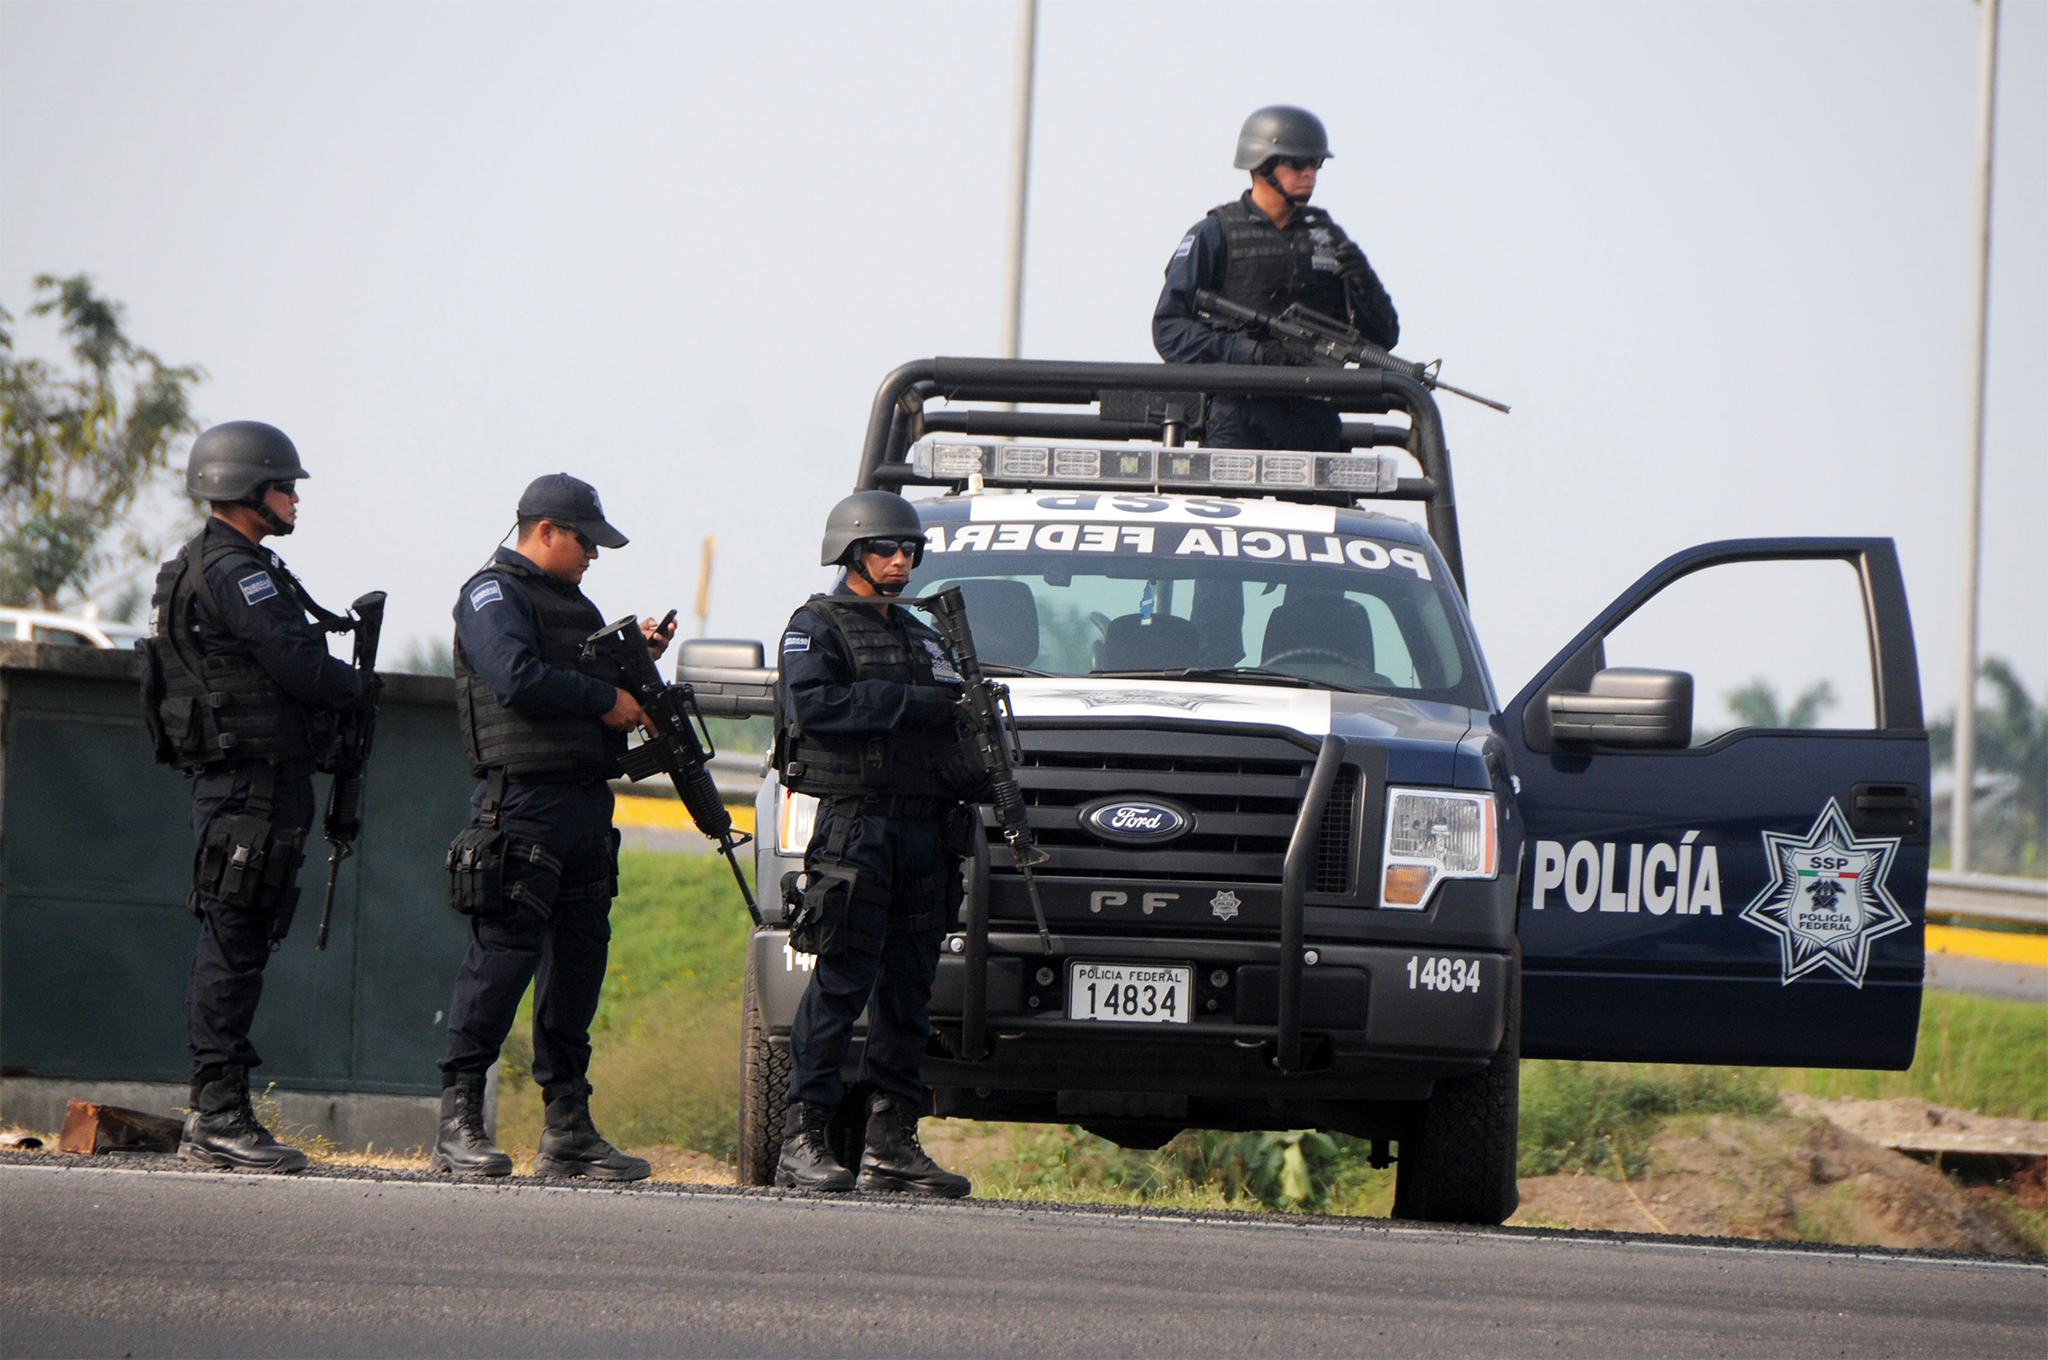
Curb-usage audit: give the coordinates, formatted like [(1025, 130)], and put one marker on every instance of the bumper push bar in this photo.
[(1299, 867)]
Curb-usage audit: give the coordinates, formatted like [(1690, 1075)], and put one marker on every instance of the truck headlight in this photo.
[(795, 815), (1432, 835)]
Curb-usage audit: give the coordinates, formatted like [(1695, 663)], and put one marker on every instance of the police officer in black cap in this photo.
[(868, 702), (1266, 250), (538, 867), (241, 692)]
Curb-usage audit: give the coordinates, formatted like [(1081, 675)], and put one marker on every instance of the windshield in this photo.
[(1204, 602)]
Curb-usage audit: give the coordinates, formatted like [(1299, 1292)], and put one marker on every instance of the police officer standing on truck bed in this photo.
[(538, 867), (1266, 250), (241, 691), (868, 702)]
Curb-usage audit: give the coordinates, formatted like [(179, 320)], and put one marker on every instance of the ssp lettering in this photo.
[(1443, 975)]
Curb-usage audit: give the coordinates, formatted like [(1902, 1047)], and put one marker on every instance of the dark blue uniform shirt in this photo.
[(819, 689), (1199, 261), (261, 618), (501, 639)]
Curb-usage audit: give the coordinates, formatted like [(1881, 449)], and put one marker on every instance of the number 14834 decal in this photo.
[(1443, 975)]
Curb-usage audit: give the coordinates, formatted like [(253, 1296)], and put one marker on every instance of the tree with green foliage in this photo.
[(2012, 741), (1756, 705), (81, 448)]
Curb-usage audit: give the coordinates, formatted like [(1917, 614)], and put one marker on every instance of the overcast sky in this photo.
[(1717, 256)]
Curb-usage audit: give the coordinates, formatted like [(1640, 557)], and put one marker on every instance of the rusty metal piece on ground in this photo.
[(90, 1128)]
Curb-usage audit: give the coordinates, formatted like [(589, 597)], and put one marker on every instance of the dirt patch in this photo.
[(672, 1163), (1793, 1179)]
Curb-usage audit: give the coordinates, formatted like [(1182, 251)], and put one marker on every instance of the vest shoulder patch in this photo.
[(484, 594), (1187, 243), (257, 588), (796, 642)]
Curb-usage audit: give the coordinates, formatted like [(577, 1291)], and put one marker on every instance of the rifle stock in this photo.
[(343, 822)]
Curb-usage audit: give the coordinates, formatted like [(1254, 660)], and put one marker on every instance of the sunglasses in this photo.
[(912, 548), (1302, 162), (577, 534), (289, 488)]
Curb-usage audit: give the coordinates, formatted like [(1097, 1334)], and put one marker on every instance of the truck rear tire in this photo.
[(1458, 1164), (764, 1089)]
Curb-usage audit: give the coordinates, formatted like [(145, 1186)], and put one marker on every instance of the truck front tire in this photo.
[(764, 1089), (1458, 1164)]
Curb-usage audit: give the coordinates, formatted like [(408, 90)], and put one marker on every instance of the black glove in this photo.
[(1351, 261), (1277, 355)]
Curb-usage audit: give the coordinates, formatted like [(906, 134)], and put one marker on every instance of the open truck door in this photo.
[(1754, 898)]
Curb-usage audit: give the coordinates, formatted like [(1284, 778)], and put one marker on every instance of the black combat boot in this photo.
[(223, 1130), (807, 1162), (570, 1145), (465, 1149), (894, 1161)]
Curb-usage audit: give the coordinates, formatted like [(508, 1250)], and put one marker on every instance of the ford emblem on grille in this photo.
[(1136, 821)]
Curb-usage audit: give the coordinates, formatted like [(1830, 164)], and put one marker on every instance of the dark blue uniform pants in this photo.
[(226, 980), (904, 863), (1272, 423), (562, 952)]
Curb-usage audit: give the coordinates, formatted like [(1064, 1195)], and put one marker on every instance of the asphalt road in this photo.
[(103, 1260)]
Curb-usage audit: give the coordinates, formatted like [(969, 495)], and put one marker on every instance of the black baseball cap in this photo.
[(568, 500)]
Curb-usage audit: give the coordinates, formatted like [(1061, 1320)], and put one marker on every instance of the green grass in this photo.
[(667, 1071)]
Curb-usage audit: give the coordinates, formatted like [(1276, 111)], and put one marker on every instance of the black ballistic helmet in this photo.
[(229, 462), (1280, 130), (866, 514), (569, 500)]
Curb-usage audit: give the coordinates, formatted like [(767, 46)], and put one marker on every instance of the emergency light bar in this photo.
[(1155, 465)]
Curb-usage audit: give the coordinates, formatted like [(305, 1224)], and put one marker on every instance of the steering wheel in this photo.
[(1324, 654)]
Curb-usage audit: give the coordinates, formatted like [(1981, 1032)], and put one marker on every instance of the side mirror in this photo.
[(1623, 706), (728, 676)]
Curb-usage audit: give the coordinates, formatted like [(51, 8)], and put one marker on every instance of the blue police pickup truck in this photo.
[(1307, 867)]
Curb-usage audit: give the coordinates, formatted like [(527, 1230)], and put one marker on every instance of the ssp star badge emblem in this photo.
[(1827, 899)]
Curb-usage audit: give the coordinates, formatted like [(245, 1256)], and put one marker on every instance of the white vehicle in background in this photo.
[(69, 630)]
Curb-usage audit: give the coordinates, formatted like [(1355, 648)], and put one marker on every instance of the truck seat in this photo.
[(1130, 643), (1004, 618), (1324, 620)]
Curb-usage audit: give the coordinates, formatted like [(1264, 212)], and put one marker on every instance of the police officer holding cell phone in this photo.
[(241, 692), (1268, 249), (544, 727), (868, 704)]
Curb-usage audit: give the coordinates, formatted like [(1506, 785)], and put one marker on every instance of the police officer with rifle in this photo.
[(868, 703), (1268, 250), (544, 724), (240, 692)]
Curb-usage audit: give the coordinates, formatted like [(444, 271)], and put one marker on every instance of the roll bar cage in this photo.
[(1152, 401)]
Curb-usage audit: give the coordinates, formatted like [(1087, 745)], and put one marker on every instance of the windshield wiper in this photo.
[(999, 668), (1223, 673)]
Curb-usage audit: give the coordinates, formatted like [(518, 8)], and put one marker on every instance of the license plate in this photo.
[(1131, 994)]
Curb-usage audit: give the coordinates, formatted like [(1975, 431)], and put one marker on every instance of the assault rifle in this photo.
[(993, 726), (344, 819), (1322, 340), (674, 749)]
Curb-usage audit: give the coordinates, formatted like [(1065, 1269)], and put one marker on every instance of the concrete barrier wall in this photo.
[(95, 867)]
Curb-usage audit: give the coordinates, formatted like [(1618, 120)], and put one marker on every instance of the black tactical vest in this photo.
[(916, 762), (222, 708), (1268, 268), (562, 749)]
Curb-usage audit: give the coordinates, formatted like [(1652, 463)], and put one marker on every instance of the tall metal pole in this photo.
[(1973, 480), (1020, 176)]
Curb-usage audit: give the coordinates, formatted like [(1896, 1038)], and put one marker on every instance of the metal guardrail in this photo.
[(737, 774), (1993, 897)]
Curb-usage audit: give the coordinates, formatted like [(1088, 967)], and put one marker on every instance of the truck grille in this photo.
[(1243, 789)]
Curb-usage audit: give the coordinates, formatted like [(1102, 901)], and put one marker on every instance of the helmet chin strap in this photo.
[(890, 591), (1298, 200), (260, 503)]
